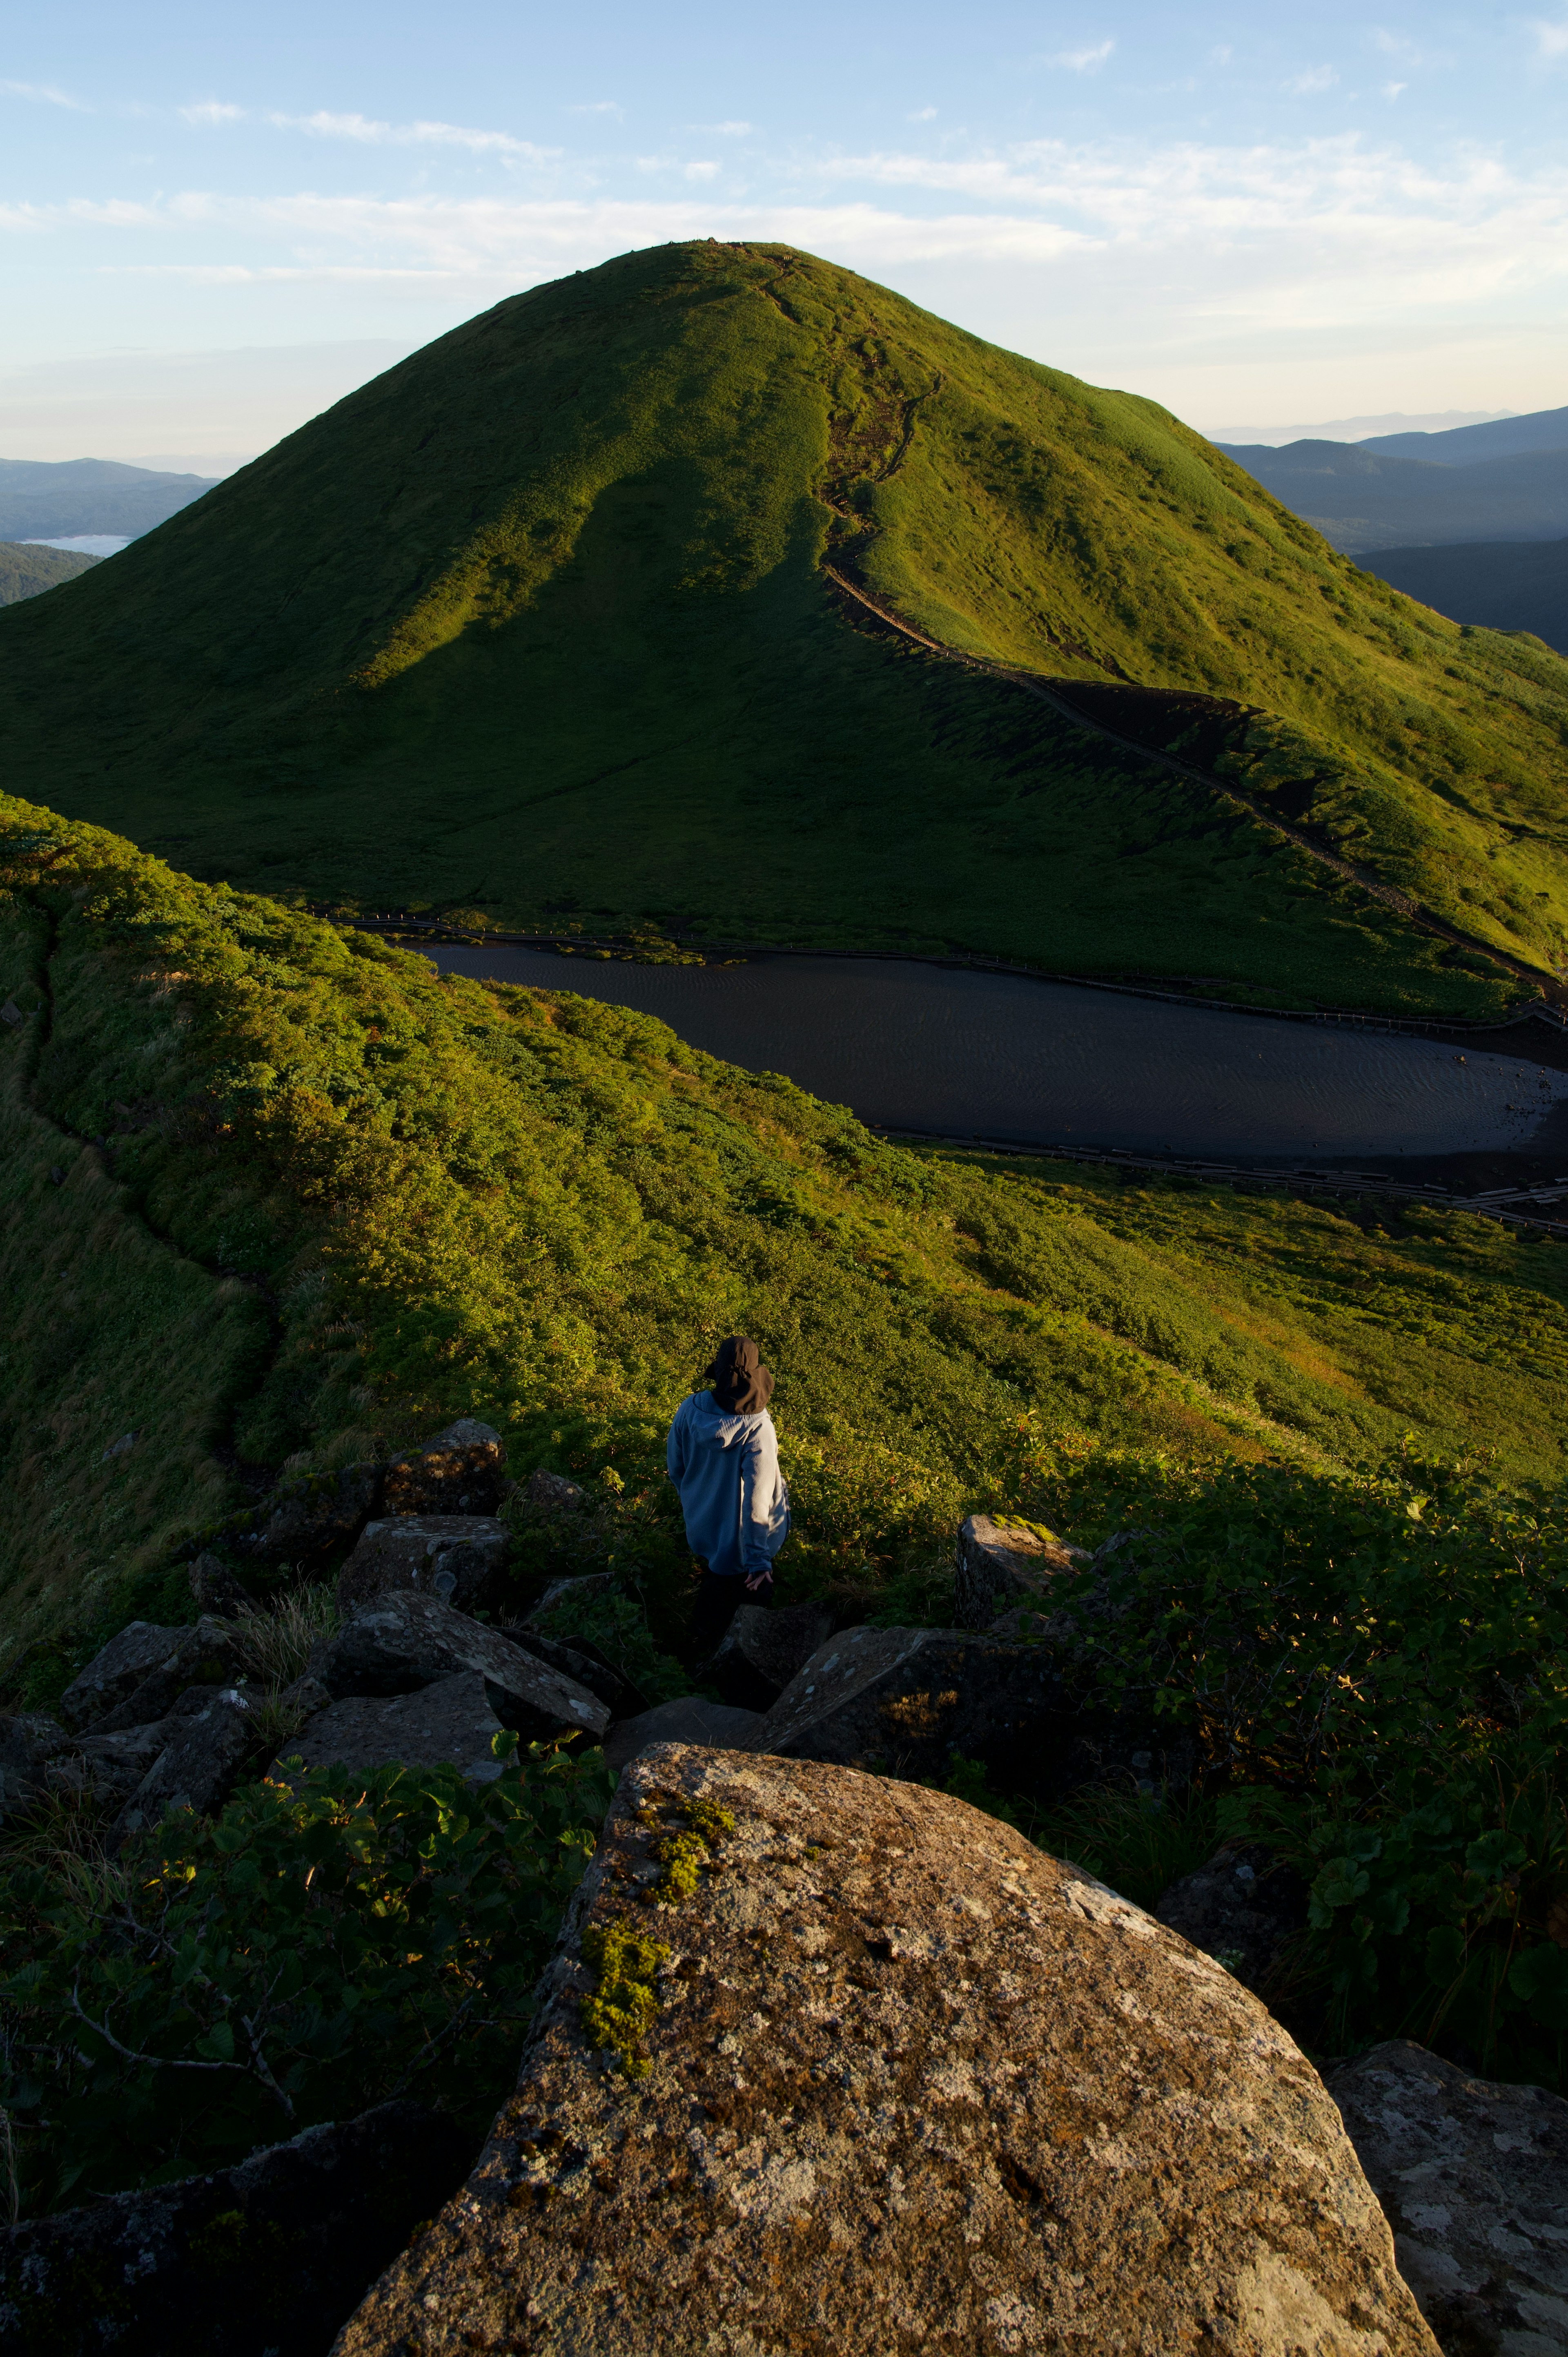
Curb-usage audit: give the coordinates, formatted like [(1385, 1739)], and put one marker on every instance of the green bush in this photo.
[(316, 1948)]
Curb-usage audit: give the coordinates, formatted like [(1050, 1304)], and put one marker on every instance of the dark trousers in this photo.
[(718, 1600)]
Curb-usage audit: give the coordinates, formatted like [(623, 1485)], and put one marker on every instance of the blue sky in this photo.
[(215, 220)]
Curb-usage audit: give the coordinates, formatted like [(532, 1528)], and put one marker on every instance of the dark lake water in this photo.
[(998, 1056)]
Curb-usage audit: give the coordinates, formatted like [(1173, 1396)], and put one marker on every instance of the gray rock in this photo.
[(581, 1589), (112, 1764), (1241, 1909), (1003, 1562), (28, 1743), (210, 1652), (400, 1642), (761, 1650), (911, 2085), (216, 1589), (689, 1718), (317, 1515), (208, 1752), (555, 1493), (1473, 2177), (449, 1722), (461, 1471), (113, 1674), (904, 1701), (459, 1558), (307, 1695), (264, 2260), (577, 1658)]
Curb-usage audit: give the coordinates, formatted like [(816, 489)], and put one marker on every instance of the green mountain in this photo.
[(24, 571), (544, 623)]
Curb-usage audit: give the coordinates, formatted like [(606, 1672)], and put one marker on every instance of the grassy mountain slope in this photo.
[(279, 1195), (25, 571), (537, 622)]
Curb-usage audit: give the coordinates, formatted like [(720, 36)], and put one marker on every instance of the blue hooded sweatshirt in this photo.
[(733, 1497)]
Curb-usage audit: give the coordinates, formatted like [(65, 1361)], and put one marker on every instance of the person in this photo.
[(723, 1455)]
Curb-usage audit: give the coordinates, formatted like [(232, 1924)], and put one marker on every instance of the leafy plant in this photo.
[(317, 1948)]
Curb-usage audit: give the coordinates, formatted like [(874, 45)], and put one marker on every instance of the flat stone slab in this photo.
[(1001, 1562), (689, 1718), (458, 1558), (911, 2086), (400, 1641), (1474, 2178), (450, 1722), (764, 1648)]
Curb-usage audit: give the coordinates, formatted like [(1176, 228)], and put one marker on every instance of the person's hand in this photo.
[(758, 1579)]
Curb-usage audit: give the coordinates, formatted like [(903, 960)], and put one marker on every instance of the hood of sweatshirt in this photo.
[(717, 1424)]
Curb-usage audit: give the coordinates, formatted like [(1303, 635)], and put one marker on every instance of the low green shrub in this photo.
[(317, 1948)]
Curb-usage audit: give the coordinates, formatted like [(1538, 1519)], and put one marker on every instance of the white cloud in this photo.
[(211, 110), (1222, 55), (725, 130), (1085, 60), (701, 171), (922, 114), (1550, 40), (1315, 80), (1392, 88), (369, 133), (44, 93), (600, 106)]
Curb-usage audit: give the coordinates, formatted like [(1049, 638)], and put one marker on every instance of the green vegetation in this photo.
[(537, 624), (25, 570), (316, 1950), (341, 1197)]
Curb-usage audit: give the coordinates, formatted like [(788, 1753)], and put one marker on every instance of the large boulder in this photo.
[(112, 1765), (461, 1471), (451, 1721), (210, 1652), (579, 1659), (209, 1744), (1241, 1909), (761, 1650), (905, 1701), (1473, 2177), (263, 2260), (400, 1642), (317, 1515), (905, 2084), (689, 1718), (217, 1590), (112, 1675), (1001, 1562), (581, 1587), (460, 1558)]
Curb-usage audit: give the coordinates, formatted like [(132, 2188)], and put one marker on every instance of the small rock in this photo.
[(588, 1584), (1001, 1563), (689, 1718), (461, 1471), (460, 1558), (1473, 2177), (577, 1658), (127, 1440), (114, 1764), (554, 1493), (1240, 1909), (113, 1674), (206, 1755), (908, 2082), (209, 1653), (761, 1650), (903, 1701), (217, 1590), (313, 1517), (307, 1695), (450, 1722), (271, 2256), (400, 1642), (29, 1743)]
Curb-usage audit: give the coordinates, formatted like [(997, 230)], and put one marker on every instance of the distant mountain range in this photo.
[(1369, 495), (40, 500), (1507, 584)]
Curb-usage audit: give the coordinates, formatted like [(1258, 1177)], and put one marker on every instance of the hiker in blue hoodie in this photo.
[(724, 1459)]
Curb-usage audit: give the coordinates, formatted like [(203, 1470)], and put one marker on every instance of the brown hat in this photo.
[(741, 1384)]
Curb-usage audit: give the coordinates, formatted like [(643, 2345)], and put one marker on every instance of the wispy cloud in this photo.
[(1392, 88), (600, 106), (1550, 40), (1084, 60), (369, 133), (725, 130), (701, 171), (44, 93), (922, 114), (213, 111), (1313, 82)]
